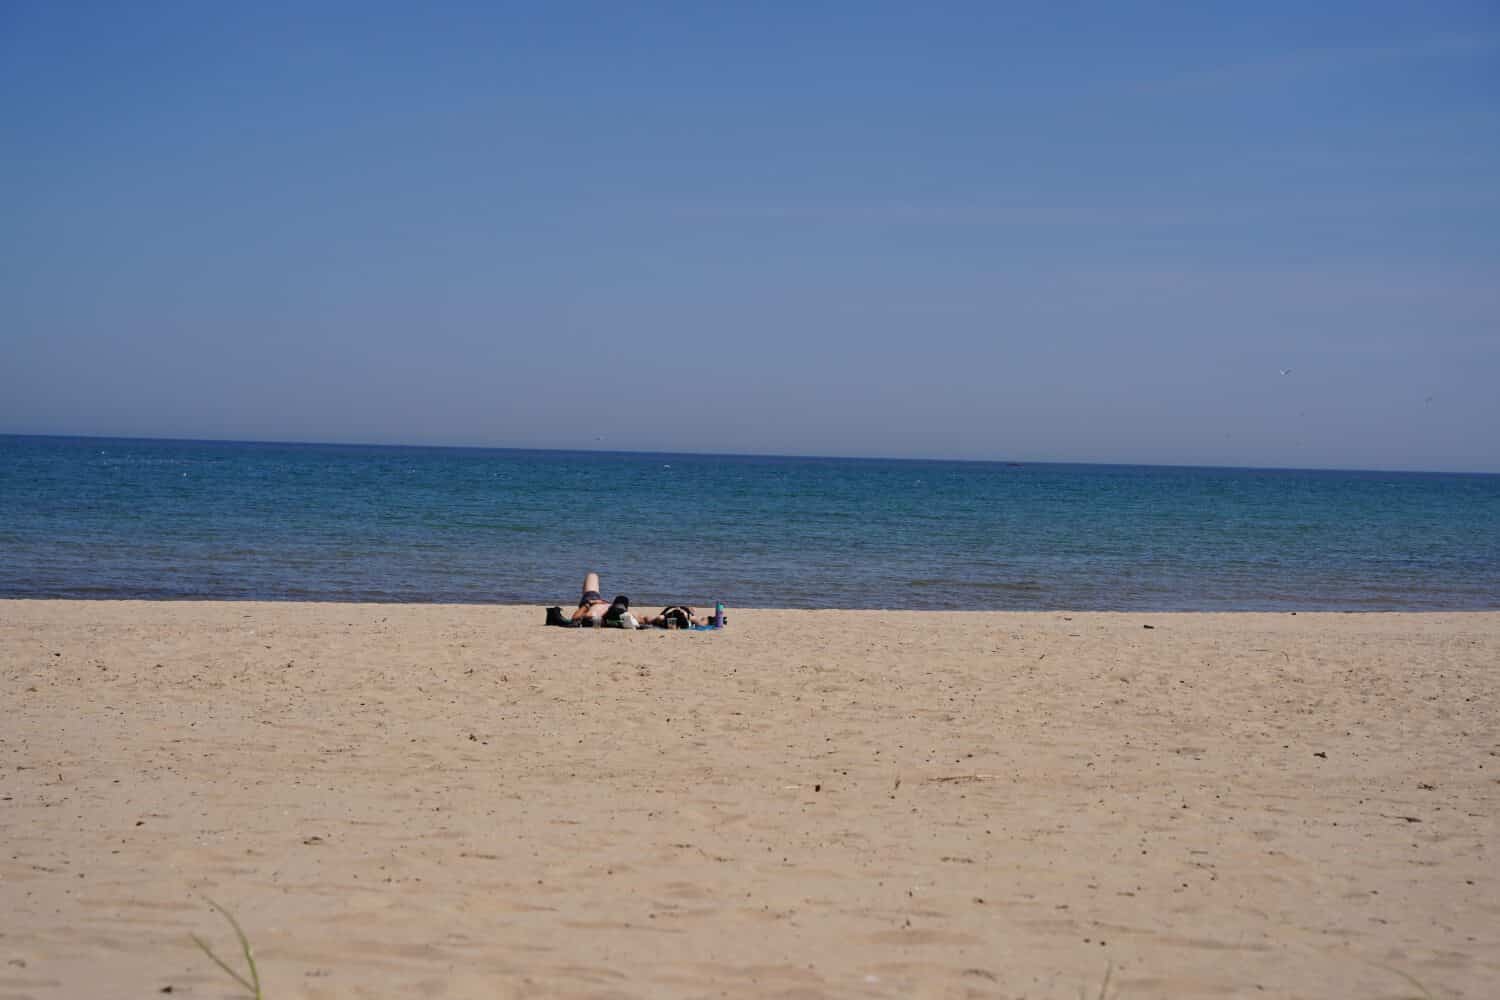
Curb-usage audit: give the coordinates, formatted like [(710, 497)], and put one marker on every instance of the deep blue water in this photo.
[(88, 517)]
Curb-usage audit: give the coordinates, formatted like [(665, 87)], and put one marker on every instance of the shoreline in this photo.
[(709, 603), (425, 799)]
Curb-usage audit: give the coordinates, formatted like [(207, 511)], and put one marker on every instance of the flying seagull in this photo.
[(1285, 371)]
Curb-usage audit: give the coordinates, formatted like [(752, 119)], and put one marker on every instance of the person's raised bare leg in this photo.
[(591, 604)]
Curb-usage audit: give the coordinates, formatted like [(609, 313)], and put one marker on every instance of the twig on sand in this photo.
[(1109, 967), (251, 985), (1406, 976)]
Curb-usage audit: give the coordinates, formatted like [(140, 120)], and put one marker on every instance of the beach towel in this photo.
[(612, 618), (678, 616)]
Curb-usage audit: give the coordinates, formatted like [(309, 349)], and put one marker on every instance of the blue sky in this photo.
[(1073, 232)]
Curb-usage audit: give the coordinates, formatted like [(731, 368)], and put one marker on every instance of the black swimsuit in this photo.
[(591, 597)]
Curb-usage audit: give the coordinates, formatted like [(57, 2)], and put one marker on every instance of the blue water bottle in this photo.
[(719, 615)]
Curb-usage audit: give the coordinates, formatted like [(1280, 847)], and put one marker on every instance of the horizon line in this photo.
[(774, 455)]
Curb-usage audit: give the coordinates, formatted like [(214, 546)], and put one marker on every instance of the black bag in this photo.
[(556, 617)]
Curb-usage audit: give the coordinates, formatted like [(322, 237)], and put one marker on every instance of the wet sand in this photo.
[(446, 801)]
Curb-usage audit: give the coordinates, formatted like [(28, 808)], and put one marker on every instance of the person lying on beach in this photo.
[(595, 612), (591, 604), (678, 616)]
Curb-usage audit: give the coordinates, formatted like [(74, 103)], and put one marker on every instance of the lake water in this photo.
[(88, 517)]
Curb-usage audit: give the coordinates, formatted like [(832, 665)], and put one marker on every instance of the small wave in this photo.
[(1001, 586)]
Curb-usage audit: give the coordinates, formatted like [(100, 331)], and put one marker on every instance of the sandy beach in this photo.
[(453, 801)]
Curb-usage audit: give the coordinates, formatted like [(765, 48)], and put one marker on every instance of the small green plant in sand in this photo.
[(252, 984)]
